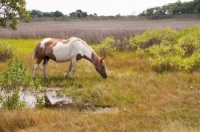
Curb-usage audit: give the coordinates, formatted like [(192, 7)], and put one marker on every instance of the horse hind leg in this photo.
[(35, 67), (46, 60)]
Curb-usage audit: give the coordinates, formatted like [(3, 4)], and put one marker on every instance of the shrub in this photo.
[(16, 75), (6, 51), (106, 47), (152, 37), (179, 53), (121, 45)]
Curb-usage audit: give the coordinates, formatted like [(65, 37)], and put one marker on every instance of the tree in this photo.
[(84, 14), (72, 14), (11, 11), (36, 13), (187, 7), (79, 13), (57, 14), (47, 14)]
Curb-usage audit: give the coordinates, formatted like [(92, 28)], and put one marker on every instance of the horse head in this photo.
[(101, 68)]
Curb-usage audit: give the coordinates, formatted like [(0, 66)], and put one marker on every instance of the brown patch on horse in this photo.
[(78, 57), (49, 48), (95, 59), (39, 53), (65, 41), (99, 64)]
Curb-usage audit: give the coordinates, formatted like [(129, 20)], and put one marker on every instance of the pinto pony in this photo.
[(65, 50)]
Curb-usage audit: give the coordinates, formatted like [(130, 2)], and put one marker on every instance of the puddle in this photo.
[(50, 99)]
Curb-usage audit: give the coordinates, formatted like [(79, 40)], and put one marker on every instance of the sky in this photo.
[(100, 7)]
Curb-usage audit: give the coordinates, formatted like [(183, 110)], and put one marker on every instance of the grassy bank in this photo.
[(140, 99)]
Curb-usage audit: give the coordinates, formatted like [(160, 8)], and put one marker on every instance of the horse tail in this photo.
[(35, 51)]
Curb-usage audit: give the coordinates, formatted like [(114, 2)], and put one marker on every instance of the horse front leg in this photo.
[(73, 66), (69, 69), (35, 69)]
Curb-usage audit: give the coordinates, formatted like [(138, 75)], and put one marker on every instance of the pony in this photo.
[(65, 50)]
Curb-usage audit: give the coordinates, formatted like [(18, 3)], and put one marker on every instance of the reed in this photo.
[(91, 31)]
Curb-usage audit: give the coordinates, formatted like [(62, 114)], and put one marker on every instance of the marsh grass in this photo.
[(92, 32)]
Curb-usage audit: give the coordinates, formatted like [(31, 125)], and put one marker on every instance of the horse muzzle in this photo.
[(104, 75)]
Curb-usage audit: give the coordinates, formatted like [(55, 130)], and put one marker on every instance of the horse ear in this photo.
[(101, 59)]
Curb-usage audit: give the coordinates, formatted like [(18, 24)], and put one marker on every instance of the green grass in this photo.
[(23, 45), (140, 99)]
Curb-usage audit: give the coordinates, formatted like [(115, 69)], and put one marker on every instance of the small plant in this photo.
[(16, 75), (13, 102), (6, 51), (40, 101)]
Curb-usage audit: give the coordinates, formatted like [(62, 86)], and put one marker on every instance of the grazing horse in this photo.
[(65, 50)]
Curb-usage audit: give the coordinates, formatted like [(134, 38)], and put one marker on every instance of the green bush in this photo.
[(106, 47), (121, 45), (169, 49), (6, 51), (16, 75), (152, 37), (179, 53)]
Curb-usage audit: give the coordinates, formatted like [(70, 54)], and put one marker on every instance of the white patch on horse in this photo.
[(62, 52), (44, 42), (86, 50)]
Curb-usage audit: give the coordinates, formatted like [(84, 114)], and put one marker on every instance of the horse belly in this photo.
[(62, 54)]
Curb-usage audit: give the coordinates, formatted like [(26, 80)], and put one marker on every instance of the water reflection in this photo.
[(50, 98)]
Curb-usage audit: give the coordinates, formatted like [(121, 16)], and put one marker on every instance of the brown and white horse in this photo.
[(65, 50)]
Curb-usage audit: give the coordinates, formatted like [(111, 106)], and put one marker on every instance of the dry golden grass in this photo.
[(140, 99)]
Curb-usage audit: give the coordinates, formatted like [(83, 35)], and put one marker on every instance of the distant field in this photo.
[(91, 31)]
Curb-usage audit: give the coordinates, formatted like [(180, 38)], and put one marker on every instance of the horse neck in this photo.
[(90, 55), (93, 58)]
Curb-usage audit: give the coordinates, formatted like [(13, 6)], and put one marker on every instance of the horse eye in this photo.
[(103, 67)]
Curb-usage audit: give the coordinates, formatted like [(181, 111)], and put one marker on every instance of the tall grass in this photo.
[(92, 31)]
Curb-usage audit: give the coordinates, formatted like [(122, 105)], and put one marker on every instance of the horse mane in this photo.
[(78, 39)]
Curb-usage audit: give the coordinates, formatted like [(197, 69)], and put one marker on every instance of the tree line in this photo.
[(174, 8), (78, 13)]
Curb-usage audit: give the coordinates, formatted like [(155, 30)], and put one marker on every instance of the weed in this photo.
[(13, 102), (6, 51), (16, 75)]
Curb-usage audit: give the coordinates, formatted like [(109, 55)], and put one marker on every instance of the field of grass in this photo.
[(139, 98), (92, 32)]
